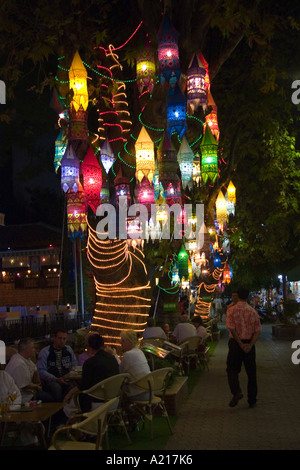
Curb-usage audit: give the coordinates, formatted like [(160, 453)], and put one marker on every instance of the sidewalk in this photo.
[(206, 422)]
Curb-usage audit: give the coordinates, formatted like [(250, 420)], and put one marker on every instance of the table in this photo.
[(35, 415)]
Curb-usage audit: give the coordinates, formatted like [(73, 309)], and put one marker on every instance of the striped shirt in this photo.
[(244, 319)]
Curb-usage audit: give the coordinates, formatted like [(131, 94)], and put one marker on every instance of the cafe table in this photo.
[(36, 415)]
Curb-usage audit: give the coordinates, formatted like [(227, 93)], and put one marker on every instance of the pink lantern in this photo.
[(92, 179), (168, 52)]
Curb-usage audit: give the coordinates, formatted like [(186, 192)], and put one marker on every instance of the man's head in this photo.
[(197, 321), (60, 339), (243, 293), (26, 348), (235, 296), (184, 318), (95, 341)]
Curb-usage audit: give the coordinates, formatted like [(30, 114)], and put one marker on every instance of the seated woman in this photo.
[(134, 363)]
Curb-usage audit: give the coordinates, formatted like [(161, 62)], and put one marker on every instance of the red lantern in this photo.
[(76, 213), (92, 179)]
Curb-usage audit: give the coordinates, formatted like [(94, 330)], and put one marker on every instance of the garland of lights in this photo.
[(121, 284)]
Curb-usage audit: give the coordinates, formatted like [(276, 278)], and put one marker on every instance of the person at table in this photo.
[(54, 362), (24, 371), (153, 331), (183, 330), (133, 362), (9, 390), (200, 328), (99, 366)]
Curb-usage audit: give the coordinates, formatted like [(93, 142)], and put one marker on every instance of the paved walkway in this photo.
[(206, 422)]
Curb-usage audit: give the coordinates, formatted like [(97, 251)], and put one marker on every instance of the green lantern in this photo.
[(183, 263), (209, 160)]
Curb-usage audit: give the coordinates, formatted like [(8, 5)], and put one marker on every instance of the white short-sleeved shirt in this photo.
[(183, 331), (21, 370), (135, 364)]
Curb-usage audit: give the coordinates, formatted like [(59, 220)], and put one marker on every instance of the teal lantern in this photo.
[(185, 159)]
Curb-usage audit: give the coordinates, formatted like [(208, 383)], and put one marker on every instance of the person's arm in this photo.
[(248, 346), (236, 337)]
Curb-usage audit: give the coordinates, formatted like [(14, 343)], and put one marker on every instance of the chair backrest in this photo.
[(108, 388), (156, 381), (90, 425), (193, 343)]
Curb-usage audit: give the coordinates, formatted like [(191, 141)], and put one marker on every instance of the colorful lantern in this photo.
[(92, 179), (76, 213), (196, 88), (231, 192), (196, 169), (70, 170), (205, 64), (145, 158), (60, 148), (209, 160), (78, 83), (104, 193), (226, 273), (145, 194), (185, 159), (107, 156), (221, 208), (211, 119), (168, 52), (168, 167), (217, 260), (183, 263), (145, 68), (122, 187), (176, 111)]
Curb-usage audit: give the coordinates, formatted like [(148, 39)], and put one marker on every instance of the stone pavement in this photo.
[(206, 422)]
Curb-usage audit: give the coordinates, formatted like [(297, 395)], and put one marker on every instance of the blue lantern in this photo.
[(176, 112)]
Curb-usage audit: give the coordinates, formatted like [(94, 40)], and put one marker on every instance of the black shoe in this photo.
[(235, 399), (252, 405)]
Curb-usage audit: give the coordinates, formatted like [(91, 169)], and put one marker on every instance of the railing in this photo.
[(40, 327)]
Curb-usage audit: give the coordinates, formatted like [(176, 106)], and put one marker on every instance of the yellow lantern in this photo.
[(221, 208), (78, 83), (231, 192), (145, 159)]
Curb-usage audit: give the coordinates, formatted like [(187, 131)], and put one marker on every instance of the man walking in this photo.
[(244, 329)]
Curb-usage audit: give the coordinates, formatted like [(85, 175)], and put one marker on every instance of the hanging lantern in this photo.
[(60, 148), (196, 169), (226, 273), (205, 64), (168, 167), (145, 159), (168, 52), (92, 179), (145, 68), (183, 263), (196, 87), (211, 119), (185, 159), (217, 260), (162, 213), (104, 193), (209, 160), (122, 187), (145, 194), (221, 208), (175, 279), (76, 213), (176, 112), (231, 192), (107, 156), (70, 170), (78, 83)]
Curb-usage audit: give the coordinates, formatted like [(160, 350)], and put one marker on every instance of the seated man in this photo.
[(53, 363), (23, 370), (99, 366), (152, 331), (183, 330)]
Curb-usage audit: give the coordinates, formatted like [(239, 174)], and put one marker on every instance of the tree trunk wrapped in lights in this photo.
[(122, 288)]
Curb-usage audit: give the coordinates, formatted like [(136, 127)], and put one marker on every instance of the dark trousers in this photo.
[(235, 359)]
